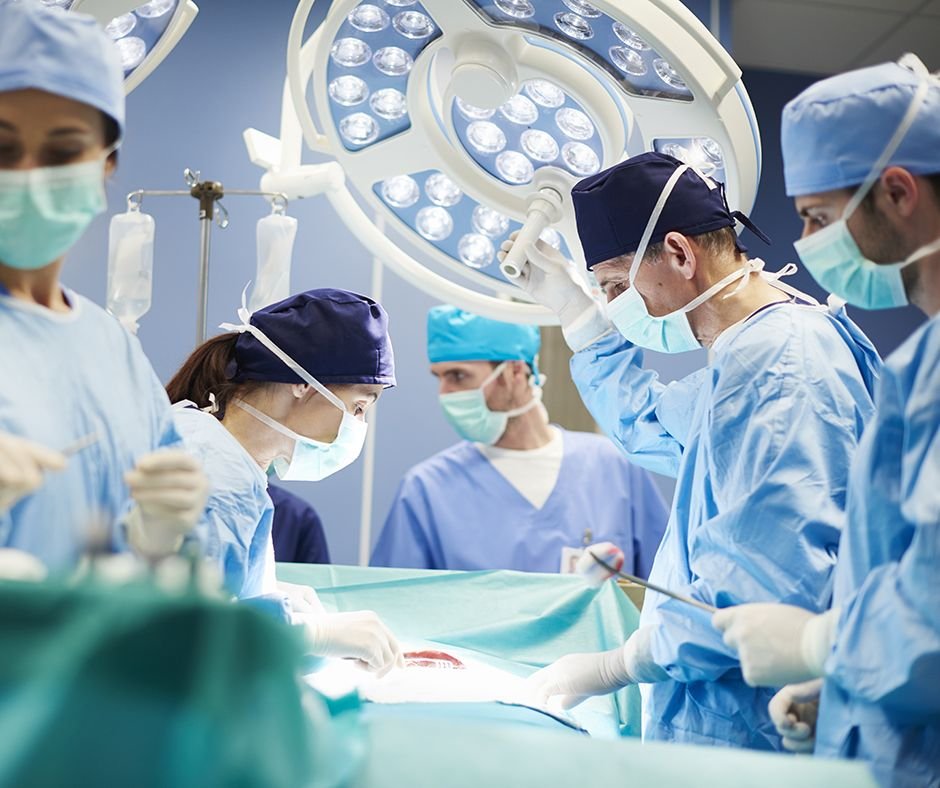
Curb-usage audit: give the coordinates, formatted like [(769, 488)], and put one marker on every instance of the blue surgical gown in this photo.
[(236, 529), (64, 376), (881, 700), (456, 511), (760, 443)]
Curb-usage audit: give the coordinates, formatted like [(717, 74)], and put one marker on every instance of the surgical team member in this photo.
[(517, 492), (82, 414), (296, 530), (759, 440), (287, 388), (870, 204)]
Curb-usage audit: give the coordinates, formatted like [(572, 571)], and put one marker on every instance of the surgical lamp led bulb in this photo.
[(459, 122)]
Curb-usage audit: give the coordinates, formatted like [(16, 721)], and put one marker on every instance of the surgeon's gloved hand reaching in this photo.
[(794, 710), (359, 635), (23, 465), (777, 644), (170, 490), (576, 677), (551, 281)]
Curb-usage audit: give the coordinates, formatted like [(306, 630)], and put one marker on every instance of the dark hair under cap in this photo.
[(335, 335), (613, 207)]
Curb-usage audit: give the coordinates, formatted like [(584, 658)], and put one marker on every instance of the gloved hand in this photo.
[(19, 565), (577, 677), (360, 635), (793, 711), (170, 490), (22, 465), (777, 644), (303, 599), (548, 277)]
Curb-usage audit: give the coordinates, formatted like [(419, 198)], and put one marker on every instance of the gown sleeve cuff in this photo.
[(819, 635)]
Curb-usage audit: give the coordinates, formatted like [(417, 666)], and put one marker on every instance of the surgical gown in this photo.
[(64, 376), (760, 443), (236, 529), (456, 511), (881, 700)]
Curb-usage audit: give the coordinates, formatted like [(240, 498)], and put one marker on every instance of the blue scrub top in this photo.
[(297, 529), (65, 375), (760, 443), (881, 700), (456, 511)]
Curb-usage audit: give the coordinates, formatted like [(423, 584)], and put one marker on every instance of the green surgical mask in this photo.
[(468, 413), (45, 210)]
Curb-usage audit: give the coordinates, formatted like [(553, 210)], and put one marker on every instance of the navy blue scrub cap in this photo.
[(60, 52), (613, 207), (335, 335)]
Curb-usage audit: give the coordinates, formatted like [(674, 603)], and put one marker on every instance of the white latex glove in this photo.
[(170, 490), (577, 677), (551, 281), (22, 465), (303, 599), (19, 565), (360, 635), (777, 644), (793, 711)]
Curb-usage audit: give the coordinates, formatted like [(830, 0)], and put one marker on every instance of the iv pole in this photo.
[(209, 194)]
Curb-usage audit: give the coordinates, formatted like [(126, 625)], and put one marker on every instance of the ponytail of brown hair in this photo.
[(203, 373)]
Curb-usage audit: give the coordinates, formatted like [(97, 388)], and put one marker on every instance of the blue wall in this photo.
[(226, 75)]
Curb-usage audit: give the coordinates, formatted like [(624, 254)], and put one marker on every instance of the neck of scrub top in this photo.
[(529, 430)]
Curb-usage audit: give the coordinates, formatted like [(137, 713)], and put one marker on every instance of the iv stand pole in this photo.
[(209, 194)]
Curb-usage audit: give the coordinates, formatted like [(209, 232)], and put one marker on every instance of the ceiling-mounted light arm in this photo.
[(298, 75)]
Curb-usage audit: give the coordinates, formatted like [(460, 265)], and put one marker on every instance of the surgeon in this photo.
[(89, 456), (870, 204), (759, 440), (288, 388), (517, 492)]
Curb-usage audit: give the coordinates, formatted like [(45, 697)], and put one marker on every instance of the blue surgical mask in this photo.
[(670, 333), (312, 460), (45, 210), (833, 257), (469, 415)]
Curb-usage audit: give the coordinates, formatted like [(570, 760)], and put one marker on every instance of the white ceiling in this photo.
[(828, 36)]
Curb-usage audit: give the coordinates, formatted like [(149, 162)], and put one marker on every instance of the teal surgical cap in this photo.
[(835, 130), (455, 335), (60, 52)]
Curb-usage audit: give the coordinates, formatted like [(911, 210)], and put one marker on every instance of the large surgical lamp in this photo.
[(144, 33), (461, 121)]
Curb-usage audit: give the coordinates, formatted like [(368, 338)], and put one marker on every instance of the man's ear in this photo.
[(679, 254)]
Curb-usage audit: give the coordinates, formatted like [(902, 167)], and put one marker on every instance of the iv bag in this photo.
[(130, 267), (275, 247)]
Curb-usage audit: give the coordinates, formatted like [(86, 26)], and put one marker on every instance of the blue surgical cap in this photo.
[(60, 52), (336, 336), (834, 131), (613, 207), (455, 335)]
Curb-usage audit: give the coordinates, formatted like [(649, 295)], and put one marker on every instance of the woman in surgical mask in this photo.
[(82, 415), (286, 391)]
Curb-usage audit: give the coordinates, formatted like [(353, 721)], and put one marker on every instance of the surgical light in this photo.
[(450, 124), (144, 33)]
